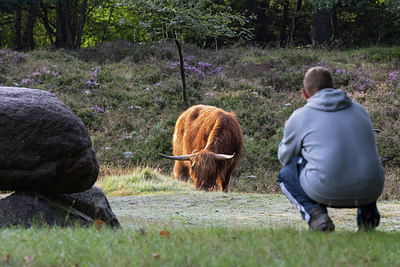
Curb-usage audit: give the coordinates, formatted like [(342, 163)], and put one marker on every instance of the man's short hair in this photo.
[(317, 78)]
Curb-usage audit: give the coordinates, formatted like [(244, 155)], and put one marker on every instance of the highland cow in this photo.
[(207, 145)]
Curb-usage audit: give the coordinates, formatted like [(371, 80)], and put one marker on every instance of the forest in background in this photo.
[(29, 24)]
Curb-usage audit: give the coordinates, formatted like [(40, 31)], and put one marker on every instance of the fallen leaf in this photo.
[(141, 231), (165, 233), (99, 224), (28, 258)]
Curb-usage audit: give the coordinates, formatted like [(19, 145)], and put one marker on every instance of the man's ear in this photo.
[(305, 93)]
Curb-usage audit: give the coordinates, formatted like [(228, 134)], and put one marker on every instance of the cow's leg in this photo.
[(224, 185), (181, 171), (221, 183), (223, 180)]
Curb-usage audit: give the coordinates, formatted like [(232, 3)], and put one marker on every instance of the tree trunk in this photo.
[(28, 42), (294, 22), (18, 27), (68, 26), (334, 23), (103, 36), (261, 24), (321, 29), (284, 25), (70, 18), (60, 32), (182, 71), (45, 20), (81, 23), (64, 37)]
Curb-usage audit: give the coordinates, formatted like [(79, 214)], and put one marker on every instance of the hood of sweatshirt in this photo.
[(329, 99)]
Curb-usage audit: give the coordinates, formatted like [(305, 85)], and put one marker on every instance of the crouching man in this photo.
[(329, 156)]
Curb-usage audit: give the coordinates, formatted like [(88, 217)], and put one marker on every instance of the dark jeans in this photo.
[(289, 181)]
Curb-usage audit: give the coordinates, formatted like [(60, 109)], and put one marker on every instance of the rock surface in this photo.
[(93, 203), (31, 208), (44, 146)]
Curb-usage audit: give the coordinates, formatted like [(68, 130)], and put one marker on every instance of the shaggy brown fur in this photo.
[(203, 131)]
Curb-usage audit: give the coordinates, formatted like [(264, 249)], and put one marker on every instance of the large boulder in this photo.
[(44, 146), (31, 208)]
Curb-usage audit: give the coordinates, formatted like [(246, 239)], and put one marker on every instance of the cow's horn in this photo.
[(183, 157), (224, 156)]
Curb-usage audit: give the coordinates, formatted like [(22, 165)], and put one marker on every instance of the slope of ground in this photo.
[(199, 209)]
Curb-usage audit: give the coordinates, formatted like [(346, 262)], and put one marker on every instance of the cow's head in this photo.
[(203, 166)]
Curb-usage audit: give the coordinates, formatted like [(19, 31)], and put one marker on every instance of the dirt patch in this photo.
[(207, 209)]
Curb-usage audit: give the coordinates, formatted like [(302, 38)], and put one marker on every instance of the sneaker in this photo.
[(368, 217), (319, 220), (368, 226)]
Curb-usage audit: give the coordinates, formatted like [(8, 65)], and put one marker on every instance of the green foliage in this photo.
[(206, 23), (329, 4), (180, 19), (177, 19), (379, 54)]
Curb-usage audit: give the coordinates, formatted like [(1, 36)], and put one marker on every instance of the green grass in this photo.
[(167, 223), (142, 181), (139, 91), (184, 227), (379, 54), (210, 246)]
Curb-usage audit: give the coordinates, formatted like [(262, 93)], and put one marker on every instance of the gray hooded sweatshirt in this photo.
[(334, 134)]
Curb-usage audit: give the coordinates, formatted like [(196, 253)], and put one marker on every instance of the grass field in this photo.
[(213, 246), (128, 97), (168, 223), (207, 229)]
